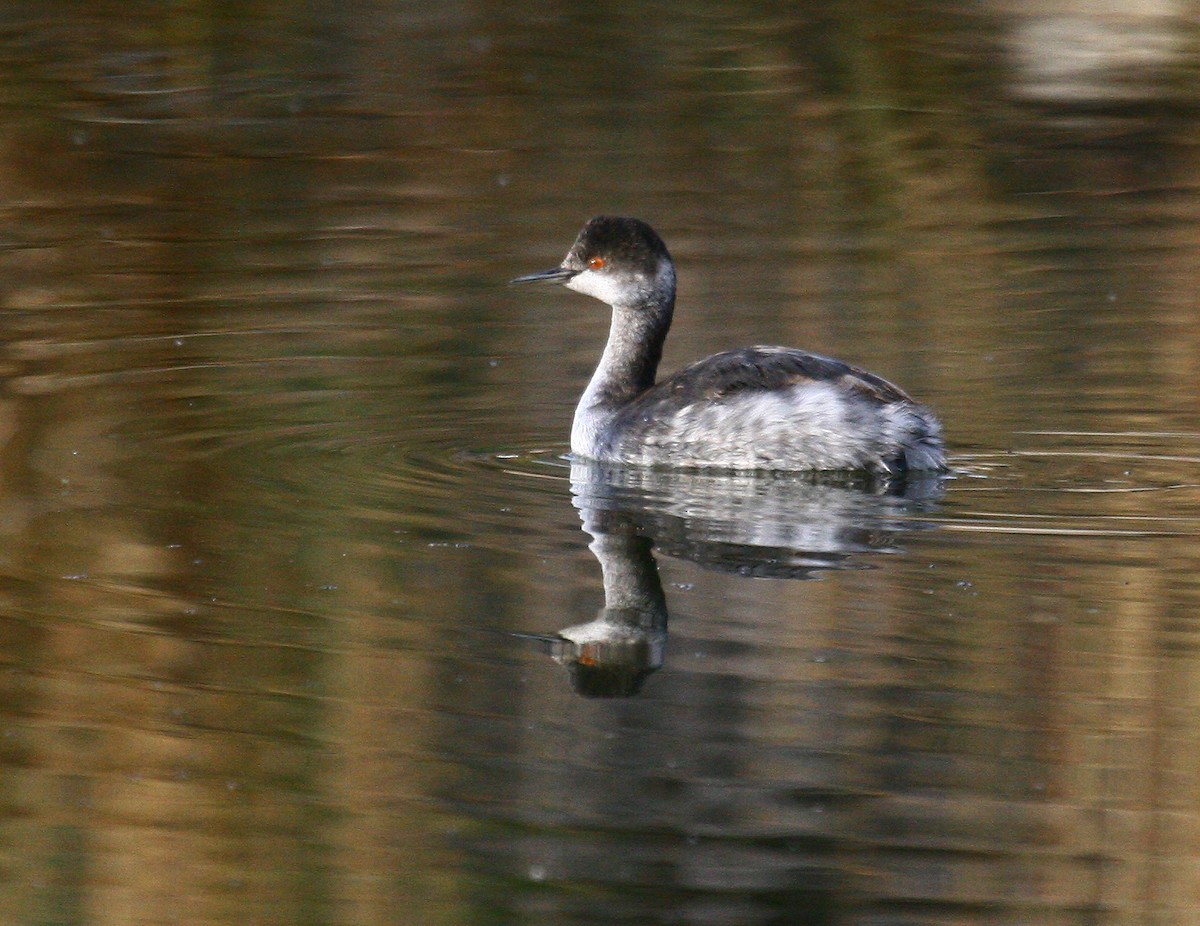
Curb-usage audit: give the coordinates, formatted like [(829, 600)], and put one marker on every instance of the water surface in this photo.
[(306, 617)]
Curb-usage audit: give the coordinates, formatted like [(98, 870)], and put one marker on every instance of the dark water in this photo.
[(305, 618)]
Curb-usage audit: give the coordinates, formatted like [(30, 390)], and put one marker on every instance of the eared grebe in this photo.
[(757, 408)]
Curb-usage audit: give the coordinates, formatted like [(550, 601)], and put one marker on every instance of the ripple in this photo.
[(1124, 484)]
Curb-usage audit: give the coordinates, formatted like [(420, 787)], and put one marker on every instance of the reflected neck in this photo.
[(633, 592)]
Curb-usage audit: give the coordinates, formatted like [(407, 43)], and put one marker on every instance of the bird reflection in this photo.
[(612, 655), (760, 525)]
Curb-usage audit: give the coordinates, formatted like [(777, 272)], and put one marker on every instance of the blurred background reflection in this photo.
[(284, 514)]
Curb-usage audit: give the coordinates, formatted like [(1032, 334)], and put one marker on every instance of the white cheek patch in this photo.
[(612, 288)]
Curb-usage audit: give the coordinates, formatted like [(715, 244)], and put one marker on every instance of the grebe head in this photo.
[(618, 260)]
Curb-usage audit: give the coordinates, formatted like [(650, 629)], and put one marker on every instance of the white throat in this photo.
[(615, 288)]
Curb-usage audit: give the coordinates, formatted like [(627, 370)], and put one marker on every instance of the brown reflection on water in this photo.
[(268, 516)]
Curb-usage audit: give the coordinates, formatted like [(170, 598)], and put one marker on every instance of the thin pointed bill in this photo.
[(556, 275)]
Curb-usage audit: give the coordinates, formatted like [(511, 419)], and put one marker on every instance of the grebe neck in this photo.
[(627, 368), (631, 356)]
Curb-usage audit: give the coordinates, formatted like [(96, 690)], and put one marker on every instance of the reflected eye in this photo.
[(596, 263)]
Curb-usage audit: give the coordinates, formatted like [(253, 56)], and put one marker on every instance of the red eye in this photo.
[(596, 263)]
